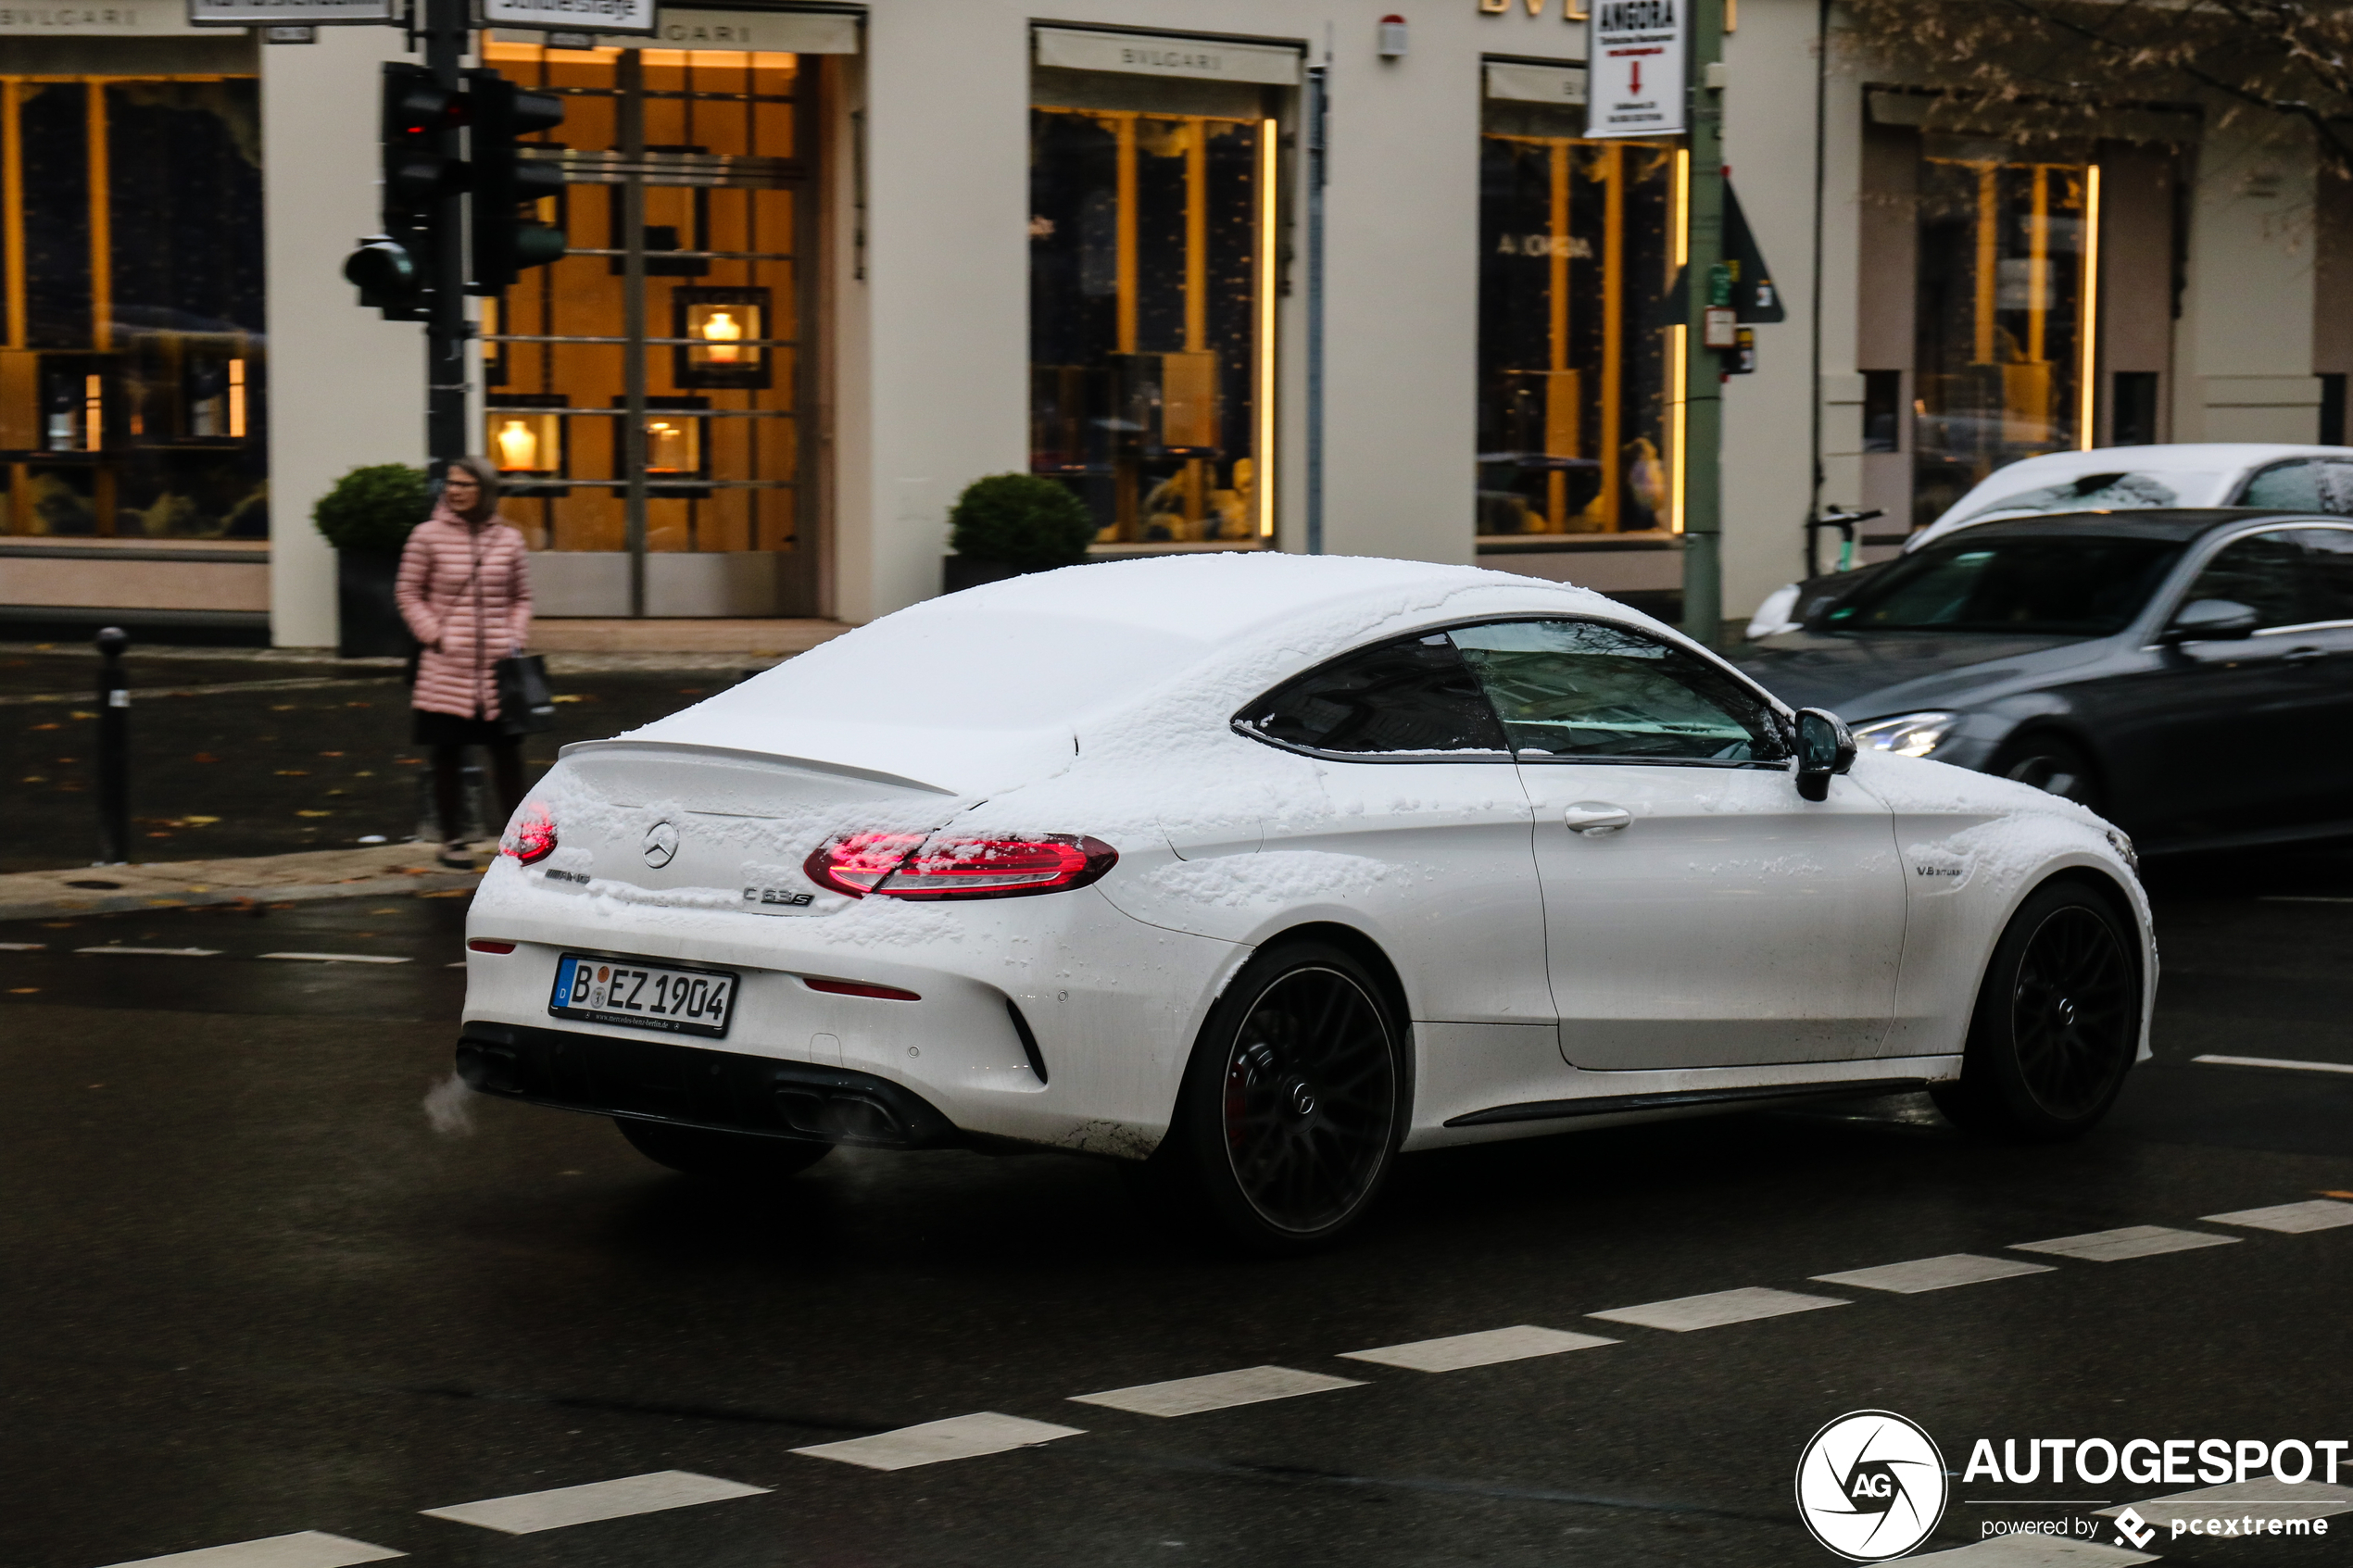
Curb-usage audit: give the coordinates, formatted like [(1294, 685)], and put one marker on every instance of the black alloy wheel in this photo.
[(739, 1159), (1293, 1105), (2058, 1021), (2055, 766)]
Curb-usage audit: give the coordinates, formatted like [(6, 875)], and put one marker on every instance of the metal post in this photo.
[(114, 750), (1318, 160), (1704, 389), (448, 25), (633, 316), (1814, 314)]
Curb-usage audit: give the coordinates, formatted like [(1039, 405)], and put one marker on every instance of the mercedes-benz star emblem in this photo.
[(662, 843)]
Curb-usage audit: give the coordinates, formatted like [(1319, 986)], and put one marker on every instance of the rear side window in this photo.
[(2308, 484), (2265, 572), (2331, 567), (1581, 689), (1409, 696)]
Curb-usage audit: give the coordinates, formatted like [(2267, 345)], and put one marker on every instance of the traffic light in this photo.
[(505, 239), (397, 270)]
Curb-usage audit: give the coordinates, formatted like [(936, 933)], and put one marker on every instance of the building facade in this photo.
[(881, 251)]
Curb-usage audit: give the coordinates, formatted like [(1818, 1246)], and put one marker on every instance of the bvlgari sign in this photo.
[(1145, 54), (267, 13), (1635, 65)]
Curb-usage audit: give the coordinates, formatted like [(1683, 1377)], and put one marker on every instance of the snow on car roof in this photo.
[(976, 689)]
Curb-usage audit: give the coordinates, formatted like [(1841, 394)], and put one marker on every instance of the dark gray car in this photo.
[(2187, 675)]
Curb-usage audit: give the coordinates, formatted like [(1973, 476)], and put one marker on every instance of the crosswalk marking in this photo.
[(2274, 1061), (2292, 1219), (527, 1512), (306, 1549), (1217, 1391), (157, 952), (1934, 1273), (2132, 1241), (961, 1436), (2035, 1551), (1717, 1308), (1486, 1347), (338, 958), (2262, 1499)]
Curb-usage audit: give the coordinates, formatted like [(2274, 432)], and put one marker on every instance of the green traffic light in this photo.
[(536, 245), (382, 266)]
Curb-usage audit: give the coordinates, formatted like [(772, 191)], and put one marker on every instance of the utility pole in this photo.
[(1702, 372), (447, 26)]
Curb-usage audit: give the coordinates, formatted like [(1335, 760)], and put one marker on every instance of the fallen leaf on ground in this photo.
[(53, 726), (314, 813), (199, 821), (294, 772), (331, 754), (204, 757)]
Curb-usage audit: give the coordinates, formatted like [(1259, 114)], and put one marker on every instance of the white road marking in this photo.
[(309, 1549), (527, 1512), (2133, 1241), (1484, 1348), (2035, 1551), (961, 1436), (1934, 1273), (2291, 1219), (2263, 1499), (337, 957), (2274, 1061), (1217, 1391), (157, 952), (24, 946), (1717, 1308)]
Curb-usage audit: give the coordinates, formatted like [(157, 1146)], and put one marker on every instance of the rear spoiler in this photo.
[(735, 754)]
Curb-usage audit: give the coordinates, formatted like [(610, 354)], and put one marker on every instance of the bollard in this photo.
[(114, 750)]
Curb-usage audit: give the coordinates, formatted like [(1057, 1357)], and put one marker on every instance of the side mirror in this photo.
[(1825, 749), (2209, 620)]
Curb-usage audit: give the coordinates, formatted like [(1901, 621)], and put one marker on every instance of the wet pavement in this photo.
[(252, 756), (251, 1288)]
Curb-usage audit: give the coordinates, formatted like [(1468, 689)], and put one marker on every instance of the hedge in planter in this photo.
[(366, 517), (1010, 523)]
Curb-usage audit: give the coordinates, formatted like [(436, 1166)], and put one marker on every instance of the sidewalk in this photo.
[(265, 878)]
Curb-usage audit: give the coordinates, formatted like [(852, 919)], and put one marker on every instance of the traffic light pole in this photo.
[(448, 24), (1702, 372)]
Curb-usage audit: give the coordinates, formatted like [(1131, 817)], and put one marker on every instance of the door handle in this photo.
[(2304, 655), (1594, 818)]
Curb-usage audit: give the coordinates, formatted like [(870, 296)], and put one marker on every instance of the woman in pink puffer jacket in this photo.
[(465, 591)]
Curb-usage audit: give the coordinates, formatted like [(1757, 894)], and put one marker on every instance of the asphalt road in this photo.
[(248, 1289)]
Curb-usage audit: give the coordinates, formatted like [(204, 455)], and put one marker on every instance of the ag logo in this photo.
[(1872, 1486), (662, 843)]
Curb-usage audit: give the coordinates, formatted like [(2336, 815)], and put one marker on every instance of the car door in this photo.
[(1697, 911), (2215, 734), (2322, 652)]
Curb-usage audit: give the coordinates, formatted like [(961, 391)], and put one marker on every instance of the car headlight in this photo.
[(1907, 735)]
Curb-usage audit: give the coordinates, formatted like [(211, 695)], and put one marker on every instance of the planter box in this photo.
[(958, 572), (370, 621)]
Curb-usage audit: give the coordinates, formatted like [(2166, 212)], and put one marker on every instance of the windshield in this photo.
[(2104, 492), (2074, 587)]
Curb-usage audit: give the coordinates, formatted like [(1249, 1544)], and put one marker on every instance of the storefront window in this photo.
[(715, 140), (1576, 397), (133, 376), (1149, 320), (2002, 315)]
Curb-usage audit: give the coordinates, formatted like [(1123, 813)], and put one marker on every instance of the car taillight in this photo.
[(906, 865), (488, 944), (531, 836)]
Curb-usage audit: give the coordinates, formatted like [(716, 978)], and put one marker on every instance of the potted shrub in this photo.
[(366, 517), (1010, 523)]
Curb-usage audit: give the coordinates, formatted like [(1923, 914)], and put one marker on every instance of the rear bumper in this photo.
[(691, 1086)]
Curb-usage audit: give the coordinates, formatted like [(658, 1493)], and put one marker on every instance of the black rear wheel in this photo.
[(2058, 1021), (743, 1159), (1294, 1104), (2054, 765)]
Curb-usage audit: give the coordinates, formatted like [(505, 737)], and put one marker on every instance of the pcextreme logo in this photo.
[(1872, 1486)]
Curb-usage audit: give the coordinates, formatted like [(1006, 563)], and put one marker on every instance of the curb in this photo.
[(40, 896)]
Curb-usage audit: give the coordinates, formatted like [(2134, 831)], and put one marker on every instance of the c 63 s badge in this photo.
[(1872, 1486), (777, 898)]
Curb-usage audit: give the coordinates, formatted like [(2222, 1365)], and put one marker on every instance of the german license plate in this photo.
[(643, 995)]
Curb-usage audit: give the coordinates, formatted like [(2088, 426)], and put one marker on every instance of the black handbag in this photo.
[(525, 705)]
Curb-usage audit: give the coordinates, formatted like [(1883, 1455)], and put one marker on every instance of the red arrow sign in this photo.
[(1636, 85)]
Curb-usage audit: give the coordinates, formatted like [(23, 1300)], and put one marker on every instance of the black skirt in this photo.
[(448, 728)]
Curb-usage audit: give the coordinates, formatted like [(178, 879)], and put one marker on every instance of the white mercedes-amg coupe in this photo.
[(1261, 870)]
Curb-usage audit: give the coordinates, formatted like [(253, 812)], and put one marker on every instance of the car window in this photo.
[(2264, 571), (1412, 696), (2329, 568), (2085, 585), (2308, 484), (2099, 492), (1581, 688)]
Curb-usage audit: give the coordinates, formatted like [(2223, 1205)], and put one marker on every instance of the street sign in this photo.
[(1635, 66), (572, 15), (305, 13)]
